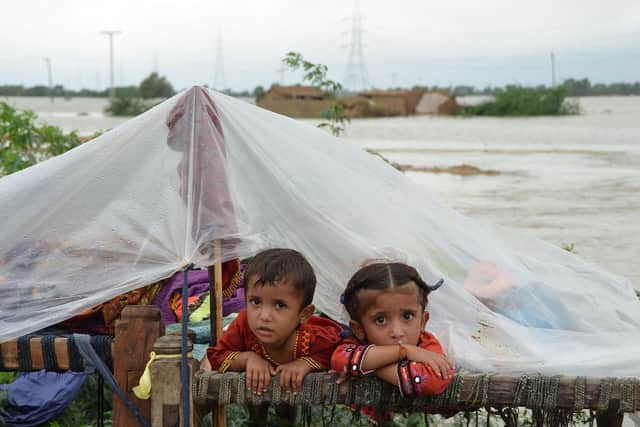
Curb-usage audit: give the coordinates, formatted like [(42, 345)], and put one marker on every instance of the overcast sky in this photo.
[(405, 42)]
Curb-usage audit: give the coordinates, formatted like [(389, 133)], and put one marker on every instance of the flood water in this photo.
[(568, 180)]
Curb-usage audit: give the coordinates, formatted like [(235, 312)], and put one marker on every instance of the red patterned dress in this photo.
[(315, 341), (414, 378)]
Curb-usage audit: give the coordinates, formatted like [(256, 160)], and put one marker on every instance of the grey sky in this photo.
[(478, 42)]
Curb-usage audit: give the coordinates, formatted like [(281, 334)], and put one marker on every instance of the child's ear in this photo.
[(357, 330), (425, 319), (306, 313)]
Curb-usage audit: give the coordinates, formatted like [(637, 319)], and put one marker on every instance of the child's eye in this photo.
[(409, 316), (254, 301), (379, 320), (280, 304)]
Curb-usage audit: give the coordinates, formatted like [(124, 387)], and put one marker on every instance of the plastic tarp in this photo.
[(151, 196)]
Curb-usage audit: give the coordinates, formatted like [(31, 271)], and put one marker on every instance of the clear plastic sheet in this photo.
[(151, 196)]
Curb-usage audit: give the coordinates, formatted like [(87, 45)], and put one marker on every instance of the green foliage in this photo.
[(258, 91), (127, 106), (569, 247), (24, 143), (134, 100), (583, 87), (83, 410), (316, 74), (520, 101), (155, 86)]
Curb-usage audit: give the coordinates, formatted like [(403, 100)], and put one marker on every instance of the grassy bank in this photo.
[(515, 101)]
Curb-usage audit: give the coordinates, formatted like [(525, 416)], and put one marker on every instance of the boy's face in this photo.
[(274, 311), (390, 316)]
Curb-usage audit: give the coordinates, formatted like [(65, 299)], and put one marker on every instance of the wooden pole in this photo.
[(135, 334), (220, 420), (166, 391)]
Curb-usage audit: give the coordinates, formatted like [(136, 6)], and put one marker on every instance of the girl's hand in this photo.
[(259, 373), (342, 376), (438, 363), (292, 374)]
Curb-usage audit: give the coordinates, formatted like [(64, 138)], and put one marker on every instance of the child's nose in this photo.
[(397, 331), (265, 313)]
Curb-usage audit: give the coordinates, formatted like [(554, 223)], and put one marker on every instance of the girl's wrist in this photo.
[(402, 352)]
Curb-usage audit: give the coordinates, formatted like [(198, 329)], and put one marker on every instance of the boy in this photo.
[(277, 333)]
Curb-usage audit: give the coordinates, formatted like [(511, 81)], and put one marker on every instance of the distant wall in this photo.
[(298, 108)]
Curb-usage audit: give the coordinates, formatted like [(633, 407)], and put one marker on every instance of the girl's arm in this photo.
[(414, 378)]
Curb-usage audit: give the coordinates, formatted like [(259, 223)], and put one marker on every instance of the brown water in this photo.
[(568, 180)]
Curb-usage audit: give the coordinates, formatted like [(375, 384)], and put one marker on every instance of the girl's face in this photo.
[(390, 316)]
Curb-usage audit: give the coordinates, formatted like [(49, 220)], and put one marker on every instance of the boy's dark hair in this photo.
[(382, 275), (277, 265)]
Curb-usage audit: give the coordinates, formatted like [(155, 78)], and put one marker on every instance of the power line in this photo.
[(356, 72)]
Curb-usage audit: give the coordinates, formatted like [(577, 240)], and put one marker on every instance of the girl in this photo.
[(387, 305)]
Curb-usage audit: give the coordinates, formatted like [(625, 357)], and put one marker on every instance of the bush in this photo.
[(128, 106), (520, 101), (24, 143)]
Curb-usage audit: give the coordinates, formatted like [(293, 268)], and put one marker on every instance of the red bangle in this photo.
[(402, 353)]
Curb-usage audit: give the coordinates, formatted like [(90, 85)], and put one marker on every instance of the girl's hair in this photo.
[(383, 275)]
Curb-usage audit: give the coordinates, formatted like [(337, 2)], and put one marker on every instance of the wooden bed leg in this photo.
[(166, 384), (135, 334)]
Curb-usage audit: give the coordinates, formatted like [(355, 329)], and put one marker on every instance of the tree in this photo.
[(258, 91), (156, 86), (316, 74), (24, 143)]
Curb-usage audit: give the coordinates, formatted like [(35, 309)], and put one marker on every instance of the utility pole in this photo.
[(48, 62), (110, 33), (553, 70)]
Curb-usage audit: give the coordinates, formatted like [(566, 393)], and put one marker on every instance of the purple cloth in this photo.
[(235, 304), (198, 282)]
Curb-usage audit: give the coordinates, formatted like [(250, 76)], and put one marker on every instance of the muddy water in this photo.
[(568, 180)]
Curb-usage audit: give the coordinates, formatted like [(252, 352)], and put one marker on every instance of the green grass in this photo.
[(515, 101)]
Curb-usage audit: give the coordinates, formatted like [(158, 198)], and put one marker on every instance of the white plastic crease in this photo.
[(142, 201)]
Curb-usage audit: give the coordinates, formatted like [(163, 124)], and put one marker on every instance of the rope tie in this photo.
[(143, 389), (200, 387), (579, 393), (75, 359), (606, 386), (551, 387), (480, 390), (628, 394), (276, 394), (332, 394), (224, 391), (49, 352), (24, 353), (102, 345), (521, 388), (241, 390)]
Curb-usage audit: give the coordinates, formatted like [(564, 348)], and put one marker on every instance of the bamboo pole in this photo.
[(218, 417)]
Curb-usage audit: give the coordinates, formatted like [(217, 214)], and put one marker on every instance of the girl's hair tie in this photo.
[(436, 286), (342, 298)]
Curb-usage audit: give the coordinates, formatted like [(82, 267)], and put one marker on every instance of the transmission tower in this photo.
[(219, 82), (355, 77)]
